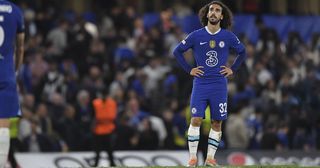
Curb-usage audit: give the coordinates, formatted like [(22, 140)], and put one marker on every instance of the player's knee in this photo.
[(196, 121), (4, 123), (216, 125)]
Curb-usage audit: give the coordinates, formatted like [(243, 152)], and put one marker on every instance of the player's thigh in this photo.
[(219, 106), (198, 104)]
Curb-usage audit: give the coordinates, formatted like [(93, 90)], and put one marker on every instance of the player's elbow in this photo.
[(243, 49), (176, 51), (242, 53)]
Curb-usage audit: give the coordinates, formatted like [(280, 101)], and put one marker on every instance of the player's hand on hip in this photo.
[(226, 71), (197, 71)]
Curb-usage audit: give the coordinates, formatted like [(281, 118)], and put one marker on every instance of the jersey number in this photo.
[(223, 107)]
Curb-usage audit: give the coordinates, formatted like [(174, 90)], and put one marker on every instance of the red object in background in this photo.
[(251, 6), (237, 159)]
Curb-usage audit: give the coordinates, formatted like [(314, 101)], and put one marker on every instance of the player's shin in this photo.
[(193, 140), (4, 146), (213, 143)]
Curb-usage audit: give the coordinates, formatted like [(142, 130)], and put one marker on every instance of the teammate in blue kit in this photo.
[(11, 56), (210, 45)]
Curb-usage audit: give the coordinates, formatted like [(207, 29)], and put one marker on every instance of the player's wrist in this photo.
[(190, 72), (233, 70)]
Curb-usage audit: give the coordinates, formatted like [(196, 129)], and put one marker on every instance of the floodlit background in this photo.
[(77, 48)]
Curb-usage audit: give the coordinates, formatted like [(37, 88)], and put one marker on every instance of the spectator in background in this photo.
[(45, 123), (148, 137), (53, 81), (167, 116), (269, 138), (83, 107), (282, 134), (93, 82), (57, 38), (117, 91), (135, 113), (125, 135), (55, 107), (255, 125), (36, 141), (78, 45), (237, 131), (70, 130), (38, 67), (30, 25), (46, 126), (84, 117), (313, 53), (105, 109)]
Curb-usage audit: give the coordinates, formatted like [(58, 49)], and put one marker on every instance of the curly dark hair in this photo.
[(226, 22)]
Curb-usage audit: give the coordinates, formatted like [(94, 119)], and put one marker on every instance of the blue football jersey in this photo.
[(210, 51), (11, 23)]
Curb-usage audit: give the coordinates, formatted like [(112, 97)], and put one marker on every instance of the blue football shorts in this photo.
[(9, 101), (213, 95)]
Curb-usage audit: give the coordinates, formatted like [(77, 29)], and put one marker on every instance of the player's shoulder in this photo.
[(227, 32), (198, 31), (5, 3)]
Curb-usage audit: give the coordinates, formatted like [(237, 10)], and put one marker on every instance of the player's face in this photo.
[(214, 14)]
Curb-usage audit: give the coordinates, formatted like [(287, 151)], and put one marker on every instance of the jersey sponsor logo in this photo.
[(221, 44), (193, 110), (213, 59), (212, 43), (201, 43)]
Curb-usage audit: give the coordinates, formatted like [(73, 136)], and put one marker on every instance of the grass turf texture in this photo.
[(257, 166)]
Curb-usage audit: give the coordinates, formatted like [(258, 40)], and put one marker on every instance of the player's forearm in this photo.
[(181, 60), (19, 57), (238, 61), (19, 51)]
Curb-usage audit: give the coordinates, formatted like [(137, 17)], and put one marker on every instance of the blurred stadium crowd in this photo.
[(274, 100)]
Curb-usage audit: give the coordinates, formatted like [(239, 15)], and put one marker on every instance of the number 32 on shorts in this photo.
[(223, 108)]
